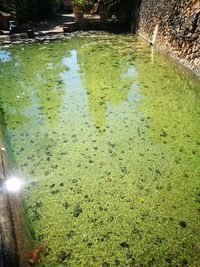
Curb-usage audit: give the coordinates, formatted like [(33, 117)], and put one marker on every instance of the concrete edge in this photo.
[(8, 244)]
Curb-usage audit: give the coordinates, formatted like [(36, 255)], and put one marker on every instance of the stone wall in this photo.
[(179, 28)]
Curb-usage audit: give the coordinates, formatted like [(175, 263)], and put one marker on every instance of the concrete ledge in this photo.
[(69, 27), (8, 247)]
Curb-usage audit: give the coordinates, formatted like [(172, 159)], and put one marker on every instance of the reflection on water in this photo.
[(4, 56), (109, 146), (131, 72), (152, 54)]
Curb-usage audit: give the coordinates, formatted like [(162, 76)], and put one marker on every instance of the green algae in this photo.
[(107, 141)]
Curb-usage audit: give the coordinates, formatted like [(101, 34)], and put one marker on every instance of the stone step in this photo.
[(70, 26), (2, 32)]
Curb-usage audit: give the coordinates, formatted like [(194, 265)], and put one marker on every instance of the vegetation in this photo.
[(27, 10), (86, 2)]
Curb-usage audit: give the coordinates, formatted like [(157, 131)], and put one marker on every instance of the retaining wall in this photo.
[(15, 243), (179, 28), (8, 248)]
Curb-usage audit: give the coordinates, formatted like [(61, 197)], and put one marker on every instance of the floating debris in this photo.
[(77, 210), (183, 224), (70, 234), (65, 204), (124, 245), (35, 255), (63, 256), (54, 192)]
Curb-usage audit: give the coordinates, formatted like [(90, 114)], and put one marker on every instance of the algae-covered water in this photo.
[(106, 139)]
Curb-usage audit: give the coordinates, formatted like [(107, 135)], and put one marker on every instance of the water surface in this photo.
[(106, 139)]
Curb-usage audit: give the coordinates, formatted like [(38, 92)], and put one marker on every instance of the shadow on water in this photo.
[(105, 80)]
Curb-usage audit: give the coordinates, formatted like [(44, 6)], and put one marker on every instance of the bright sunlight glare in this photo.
[(13, 184)]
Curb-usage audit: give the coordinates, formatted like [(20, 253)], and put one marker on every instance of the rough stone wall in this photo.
[(179, 28)]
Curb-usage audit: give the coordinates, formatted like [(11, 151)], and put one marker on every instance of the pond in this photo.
[(105, 137)]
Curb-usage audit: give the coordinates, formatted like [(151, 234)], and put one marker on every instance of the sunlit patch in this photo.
[(13, 184)]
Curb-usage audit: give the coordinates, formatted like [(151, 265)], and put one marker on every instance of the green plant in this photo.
[(26, 10), (80, 4)]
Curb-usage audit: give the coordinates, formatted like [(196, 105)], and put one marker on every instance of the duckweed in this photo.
[(107, 142)]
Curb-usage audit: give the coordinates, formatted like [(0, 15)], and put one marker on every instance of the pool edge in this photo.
[(8, 244)]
